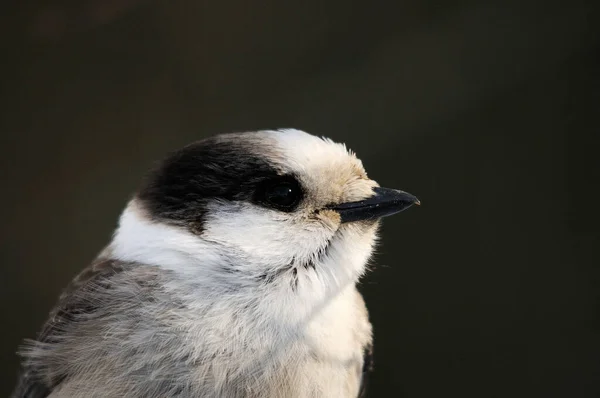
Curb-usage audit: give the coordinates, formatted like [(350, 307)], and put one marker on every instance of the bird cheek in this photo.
[(329, 218)]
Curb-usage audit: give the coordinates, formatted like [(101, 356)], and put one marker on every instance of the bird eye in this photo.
[(284, 194)]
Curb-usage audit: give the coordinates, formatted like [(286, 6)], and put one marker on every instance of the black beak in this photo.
[(384, 203)]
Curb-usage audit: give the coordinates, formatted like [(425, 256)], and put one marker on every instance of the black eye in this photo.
[(283, 194)]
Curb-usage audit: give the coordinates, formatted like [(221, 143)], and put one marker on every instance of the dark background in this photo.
[(488, 111)]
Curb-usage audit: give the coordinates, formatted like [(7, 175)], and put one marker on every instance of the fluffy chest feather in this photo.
[(238, 346)]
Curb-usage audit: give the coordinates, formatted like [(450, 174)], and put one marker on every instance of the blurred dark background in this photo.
[(487, 110)]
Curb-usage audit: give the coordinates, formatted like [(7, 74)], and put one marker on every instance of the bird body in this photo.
[(232, 273)]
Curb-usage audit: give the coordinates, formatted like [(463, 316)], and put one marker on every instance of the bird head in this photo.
[(279, 207)]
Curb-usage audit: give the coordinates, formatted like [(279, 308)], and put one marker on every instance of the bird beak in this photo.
[(384, 203)]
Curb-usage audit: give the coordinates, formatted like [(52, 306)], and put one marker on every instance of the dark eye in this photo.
[(283, 194)]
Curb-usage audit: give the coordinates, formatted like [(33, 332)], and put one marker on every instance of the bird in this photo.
[(232, 272)]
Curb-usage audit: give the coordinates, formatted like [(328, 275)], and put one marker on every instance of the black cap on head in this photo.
[(219, 167)]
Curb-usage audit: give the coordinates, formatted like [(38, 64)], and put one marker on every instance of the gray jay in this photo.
[(232, 273)]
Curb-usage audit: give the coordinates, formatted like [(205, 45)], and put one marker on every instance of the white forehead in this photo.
[(305, 153)]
